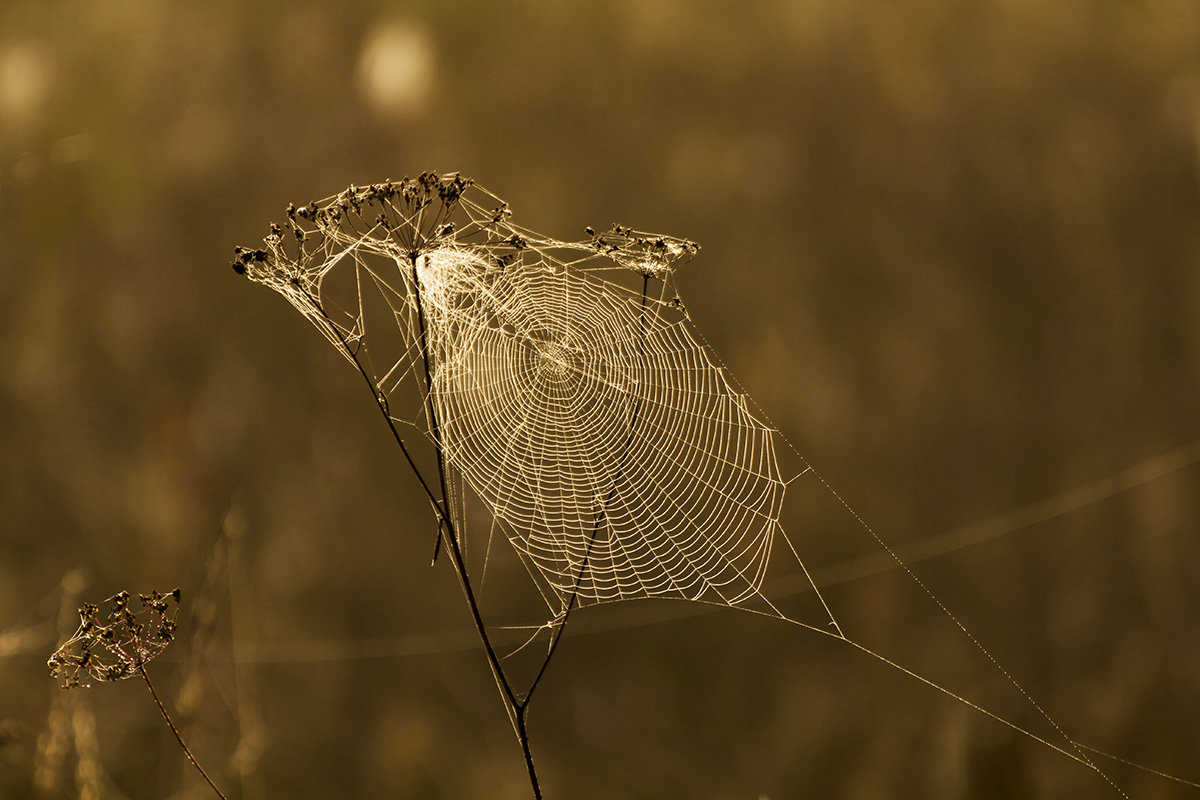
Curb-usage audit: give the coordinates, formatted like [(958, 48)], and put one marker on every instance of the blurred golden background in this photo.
[(950, 247)]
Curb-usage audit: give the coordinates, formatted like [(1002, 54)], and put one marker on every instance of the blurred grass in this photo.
[(950, 247)]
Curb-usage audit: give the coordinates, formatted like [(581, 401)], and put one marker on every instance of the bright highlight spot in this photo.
[(24, 77), (395, 69)]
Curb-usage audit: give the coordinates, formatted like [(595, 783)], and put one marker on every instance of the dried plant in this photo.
[(426, 284), (117, 642)]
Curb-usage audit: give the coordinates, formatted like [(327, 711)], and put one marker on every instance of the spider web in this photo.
[(563, 381)]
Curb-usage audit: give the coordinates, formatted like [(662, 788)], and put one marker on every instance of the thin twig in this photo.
[(178, 735)]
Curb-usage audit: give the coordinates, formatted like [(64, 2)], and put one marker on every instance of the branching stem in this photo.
[(516, 706)]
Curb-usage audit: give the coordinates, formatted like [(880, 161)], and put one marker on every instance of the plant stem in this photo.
[(433, 420), (516, 710), (523, 737), (178, 735)]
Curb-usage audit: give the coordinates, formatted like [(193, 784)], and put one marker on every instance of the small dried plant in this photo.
[(117, 641)]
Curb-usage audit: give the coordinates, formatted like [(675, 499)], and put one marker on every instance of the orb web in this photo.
[(608, 443), (565, 383)]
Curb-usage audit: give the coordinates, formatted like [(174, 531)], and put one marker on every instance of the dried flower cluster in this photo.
[(652, 254), (115, 642), (413, 213), (410, 217)]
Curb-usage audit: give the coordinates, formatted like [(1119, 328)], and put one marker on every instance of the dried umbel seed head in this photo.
[(414, 214), (652, 254), (116, 640)]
